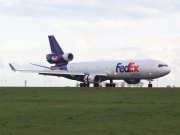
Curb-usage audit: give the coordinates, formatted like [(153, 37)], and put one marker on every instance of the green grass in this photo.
[(89, 111)]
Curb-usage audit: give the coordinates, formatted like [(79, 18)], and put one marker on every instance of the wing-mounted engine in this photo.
[(55, 59), (132, 81), (92, 79)]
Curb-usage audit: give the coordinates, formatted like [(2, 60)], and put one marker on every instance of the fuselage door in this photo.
[(151, 71)]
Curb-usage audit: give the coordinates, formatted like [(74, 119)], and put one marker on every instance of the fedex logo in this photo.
[(55, 58), (132, 68)]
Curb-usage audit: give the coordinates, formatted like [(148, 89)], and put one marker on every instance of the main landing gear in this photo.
[(111, 84), (96, 84), (150, 84), (84, 85), (87, 84)]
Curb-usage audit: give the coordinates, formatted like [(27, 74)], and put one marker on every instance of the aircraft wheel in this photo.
[(150, 85), (84, 84), (114, 85), (107, 85), (81, 84), (96, 84)]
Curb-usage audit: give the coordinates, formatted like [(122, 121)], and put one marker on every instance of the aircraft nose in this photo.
[(168, 70)]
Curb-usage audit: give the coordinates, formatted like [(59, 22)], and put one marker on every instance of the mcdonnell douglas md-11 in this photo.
[(131, 71)]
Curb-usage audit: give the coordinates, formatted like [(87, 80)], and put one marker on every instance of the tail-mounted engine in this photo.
[(92, 79), (55, 59), (132, 81)]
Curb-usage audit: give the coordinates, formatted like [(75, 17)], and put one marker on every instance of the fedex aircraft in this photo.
[(131, 71)]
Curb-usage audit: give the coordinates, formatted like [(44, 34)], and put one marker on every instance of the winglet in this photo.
[(12, 67)]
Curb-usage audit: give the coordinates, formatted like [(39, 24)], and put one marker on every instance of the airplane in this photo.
[(131, 71)]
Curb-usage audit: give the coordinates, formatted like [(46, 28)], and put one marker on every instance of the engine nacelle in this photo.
[(55, 59), (92, 79), (68, 57), (132, 81)]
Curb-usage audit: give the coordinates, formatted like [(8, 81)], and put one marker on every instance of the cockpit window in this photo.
[(162, 65)]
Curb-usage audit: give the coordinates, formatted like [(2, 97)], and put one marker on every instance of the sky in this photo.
[(92, 30)]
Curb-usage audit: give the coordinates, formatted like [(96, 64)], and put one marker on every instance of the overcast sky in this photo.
[(90, 29)]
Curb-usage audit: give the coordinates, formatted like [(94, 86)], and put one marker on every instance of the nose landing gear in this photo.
[(150, 84)]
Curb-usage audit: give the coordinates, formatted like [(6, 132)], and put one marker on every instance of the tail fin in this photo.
[(55, 48)]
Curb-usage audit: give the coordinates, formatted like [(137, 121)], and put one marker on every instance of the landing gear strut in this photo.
[(150, 84), (111, 84)]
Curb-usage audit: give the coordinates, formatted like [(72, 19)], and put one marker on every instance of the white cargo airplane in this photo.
[(131, 71)]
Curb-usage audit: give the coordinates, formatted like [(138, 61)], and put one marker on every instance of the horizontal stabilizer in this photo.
[(40, 65)]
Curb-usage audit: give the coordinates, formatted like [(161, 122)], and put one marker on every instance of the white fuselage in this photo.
[(123, 69)]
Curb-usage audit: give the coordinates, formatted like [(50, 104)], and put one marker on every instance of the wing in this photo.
[(56, 72)]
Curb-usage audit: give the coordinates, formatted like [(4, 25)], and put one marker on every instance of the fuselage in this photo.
[(131, 71), (123, 69)]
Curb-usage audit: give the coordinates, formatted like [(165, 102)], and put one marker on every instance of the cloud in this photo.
[(10, 3), (1, 63), (92, 9)]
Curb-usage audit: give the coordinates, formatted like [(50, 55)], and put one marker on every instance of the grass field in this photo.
[(89, 111)]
